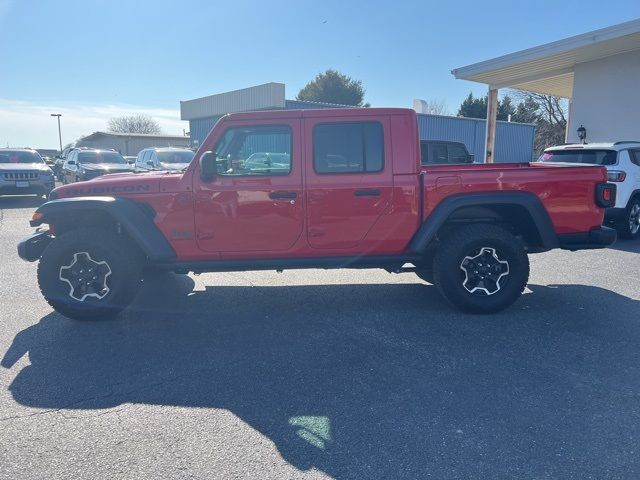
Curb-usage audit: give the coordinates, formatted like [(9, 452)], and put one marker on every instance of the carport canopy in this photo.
[(547, 69)]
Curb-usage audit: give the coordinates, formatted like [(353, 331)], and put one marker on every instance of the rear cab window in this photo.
[(443, 153)]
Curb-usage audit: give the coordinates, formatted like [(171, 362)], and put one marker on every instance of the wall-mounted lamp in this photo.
[(582, 134)]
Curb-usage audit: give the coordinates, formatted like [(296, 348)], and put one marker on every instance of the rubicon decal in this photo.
[(109, 189)]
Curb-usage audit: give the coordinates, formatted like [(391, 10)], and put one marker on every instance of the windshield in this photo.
[(175, 156), (19, 157), (592, 157), (100, 157)]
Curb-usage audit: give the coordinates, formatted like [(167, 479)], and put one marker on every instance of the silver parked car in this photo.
[(164, 158), (23, 172)]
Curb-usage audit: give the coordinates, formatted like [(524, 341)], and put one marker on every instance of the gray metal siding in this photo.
[(304, 105), (514, 141), (260, 97), (200, 128)]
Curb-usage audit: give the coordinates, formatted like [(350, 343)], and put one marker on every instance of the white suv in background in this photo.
[(622, 160)]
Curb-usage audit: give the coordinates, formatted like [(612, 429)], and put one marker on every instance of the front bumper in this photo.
[(37, 187), (31, 248), (599, 237)]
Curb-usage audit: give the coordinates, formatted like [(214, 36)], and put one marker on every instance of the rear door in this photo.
[(252, 207), (349, 180)]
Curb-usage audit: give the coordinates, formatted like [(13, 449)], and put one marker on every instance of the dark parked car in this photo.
[(164, 158), (23, 171), (85, 164), (440, 152)]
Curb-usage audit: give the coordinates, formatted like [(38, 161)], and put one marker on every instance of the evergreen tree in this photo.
[(334, 87)]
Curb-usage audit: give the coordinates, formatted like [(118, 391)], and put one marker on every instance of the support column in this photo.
[(492, 114)]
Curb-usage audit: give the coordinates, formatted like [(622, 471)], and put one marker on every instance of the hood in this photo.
[(173, 167), (41, 167), (113, 185), (107, 167)]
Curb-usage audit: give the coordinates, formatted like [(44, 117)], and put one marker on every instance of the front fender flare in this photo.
[(127, 213)]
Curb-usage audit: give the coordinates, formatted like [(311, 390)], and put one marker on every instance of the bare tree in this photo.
[(548, 112), (435, 106), (134, 124)]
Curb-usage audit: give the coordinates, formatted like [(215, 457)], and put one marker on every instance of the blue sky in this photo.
[(95, 59)]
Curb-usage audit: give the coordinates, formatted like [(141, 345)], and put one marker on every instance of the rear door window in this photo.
[(352, 147)]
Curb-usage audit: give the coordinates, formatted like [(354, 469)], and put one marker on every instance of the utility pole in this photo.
[(59, 131)]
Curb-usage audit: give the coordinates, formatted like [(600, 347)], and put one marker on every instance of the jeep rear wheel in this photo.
[(89, 273), (481, 268), (629, 226)]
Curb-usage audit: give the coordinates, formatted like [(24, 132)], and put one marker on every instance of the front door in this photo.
[(255, 203), (349, 180)]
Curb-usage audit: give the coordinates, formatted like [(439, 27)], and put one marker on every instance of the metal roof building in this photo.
[(131, 143), (515, 143)]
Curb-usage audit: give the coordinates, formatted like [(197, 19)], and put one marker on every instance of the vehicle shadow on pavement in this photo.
[(22, 201), (364, 381), (632, 246)]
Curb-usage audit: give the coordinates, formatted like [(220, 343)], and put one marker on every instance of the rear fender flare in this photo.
[(530, 202)]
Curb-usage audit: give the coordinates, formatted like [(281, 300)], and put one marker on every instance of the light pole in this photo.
[(59, 132)]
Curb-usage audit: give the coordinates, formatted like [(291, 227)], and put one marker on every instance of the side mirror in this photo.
[(71, 162), (150, 163), (208, 166), (472, 158)]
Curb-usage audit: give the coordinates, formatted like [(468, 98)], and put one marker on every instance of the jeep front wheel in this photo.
[(89, 273), (481, 268)]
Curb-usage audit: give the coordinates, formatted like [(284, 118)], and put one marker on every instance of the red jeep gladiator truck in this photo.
[(338, 188)]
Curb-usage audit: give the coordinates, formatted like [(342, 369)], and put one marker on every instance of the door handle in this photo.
[(374, 192), (281, 195)]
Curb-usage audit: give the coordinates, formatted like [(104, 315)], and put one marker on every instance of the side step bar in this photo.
[(390, 263)]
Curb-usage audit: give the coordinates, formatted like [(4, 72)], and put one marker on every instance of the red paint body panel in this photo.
[(566, 192), (235, 218)]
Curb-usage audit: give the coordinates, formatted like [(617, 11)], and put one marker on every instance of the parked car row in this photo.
[(78, 164)]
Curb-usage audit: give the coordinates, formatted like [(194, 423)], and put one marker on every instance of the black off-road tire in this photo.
[(624, 225), (467, 241), (123, 281), (425, 273)]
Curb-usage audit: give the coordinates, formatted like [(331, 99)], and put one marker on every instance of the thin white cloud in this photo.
[(27, 124)]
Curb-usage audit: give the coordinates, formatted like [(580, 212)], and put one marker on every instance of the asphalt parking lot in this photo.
[(324, 374)]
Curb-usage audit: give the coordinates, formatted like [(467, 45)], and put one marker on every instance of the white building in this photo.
[(599, 72)]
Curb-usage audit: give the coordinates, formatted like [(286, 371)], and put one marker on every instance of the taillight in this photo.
[(605, 195), (616, 175)]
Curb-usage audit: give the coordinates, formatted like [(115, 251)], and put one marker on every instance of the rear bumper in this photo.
[(599, 237), (31, 248)]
